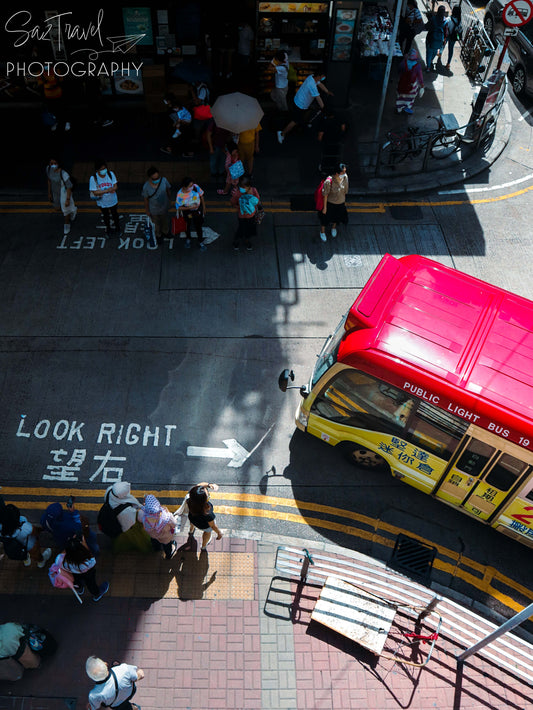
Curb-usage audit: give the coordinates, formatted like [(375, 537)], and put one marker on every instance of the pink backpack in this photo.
[(319, 197), (60, 577)]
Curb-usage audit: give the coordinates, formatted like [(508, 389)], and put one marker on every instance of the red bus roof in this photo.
[(461, 339)]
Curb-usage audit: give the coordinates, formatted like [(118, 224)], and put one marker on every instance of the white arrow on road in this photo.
[(233, 451)]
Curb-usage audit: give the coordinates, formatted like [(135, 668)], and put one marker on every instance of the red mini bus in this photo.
[(430, 375)]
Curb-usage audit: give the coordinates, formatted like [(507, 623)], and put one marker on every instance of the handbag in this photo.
[(260, 214), (236, 169), (178, 225)]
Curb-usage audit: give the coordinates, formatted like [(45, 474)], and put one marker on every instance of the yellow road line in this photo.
[(284, 206), (484, 583)]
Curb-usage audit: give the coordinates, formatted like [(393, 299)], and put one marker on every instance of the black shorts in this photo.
[(298, 115)]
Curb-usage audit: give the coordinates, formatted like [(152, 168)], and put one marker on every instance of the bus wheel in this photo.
[(364, 458)]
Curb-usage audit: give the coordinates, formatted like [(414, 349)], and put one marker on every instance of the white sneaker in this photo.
[(27, 561), (66, 229), (281, 137), (73, 215), (53, 128), (46, 556), (67, 126), (176, 133), (323, 237), (333, 233)]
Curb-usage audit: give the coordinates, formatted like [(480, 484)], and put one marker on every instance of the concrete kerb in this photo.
[(425, 182), (269, 542)]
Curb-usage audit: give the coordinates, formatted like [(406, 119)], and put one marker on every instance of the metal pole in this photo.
[(392, 42), (516, 620), (502, 53)]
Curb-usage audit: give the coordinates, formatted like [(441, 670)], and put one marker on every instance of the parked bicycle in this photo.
[(401, 146), (449, 137)]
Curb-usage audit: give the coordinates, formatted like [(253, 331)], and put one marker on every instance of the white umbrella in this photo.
[(237, 112)]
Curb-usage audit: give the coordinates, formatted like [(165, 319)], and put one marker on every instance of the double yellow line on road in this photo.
[(287, 510)]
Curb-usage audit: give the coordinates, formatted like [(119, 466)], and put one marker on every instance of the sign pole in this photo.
[(502, 53)]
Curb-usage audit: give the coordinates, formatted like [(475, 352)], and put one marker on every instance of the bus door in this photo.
[(483, 472)]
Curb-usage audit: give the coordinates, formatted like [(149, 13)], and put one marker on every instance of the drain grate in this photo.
[(413, 557), (406, 212)]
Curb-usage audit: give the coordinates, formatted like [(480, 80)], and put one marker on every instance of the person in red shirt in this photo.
[(248, 203)]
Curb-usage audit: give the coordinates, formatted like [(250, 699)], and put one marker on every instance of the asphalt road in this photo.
[(160, 366)]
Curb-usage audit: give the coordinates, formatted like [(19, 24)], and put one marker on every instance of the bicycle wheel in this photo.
[(443, 146), (392, 153)]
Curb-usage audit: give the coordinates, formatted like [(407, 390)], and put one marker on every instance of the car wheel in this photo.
[(364, 458), (519, 81), (488, 22)]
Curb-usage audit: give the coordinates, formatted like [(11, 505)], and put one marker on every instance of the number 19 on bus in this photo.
[(428, 376)]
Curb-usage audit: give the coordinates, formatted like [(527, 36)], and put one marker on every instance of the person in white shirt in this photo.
[(281, 80), (103, 188), (308, 92), (115, 687)]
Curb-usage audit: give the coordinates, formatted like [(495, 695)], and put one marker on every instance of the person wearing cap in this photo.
[(114, 687), (120, 493), (410, 82), (61, 524), (160, 524)]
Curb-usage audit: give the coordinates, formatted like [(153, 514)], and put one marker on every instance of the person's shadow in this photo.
[(191, 571)]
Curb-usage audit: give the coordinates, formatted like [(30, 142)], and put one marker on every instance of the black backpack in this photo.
[(108, 518), (14, 549)]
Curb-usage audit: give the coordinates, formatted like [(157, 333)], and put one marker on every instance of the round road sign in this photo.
[(517, 13)]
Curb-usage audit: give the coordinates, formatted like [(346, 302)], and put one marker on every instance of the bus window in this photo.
[(474, 458), (436, 430), (356, 399), (505, 472), (328, 355)]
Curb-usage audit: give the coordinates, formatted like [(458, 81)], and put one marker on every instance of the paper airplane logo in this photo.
[(123, 43)]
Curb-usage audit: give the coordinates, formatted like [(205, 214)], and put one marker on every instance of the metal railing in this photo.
[(415, 150), (459, 623)]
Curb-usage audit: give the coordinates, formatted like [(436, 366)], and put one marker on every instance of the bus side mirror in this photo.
[(283, 379), (304, 391)]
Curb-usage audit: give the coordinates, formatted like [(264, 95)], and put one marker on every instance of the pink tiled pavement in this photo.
[(333, 672)]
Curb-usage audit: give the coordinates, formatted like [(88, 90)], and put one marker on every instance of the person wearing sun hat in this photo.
[(160, 524)]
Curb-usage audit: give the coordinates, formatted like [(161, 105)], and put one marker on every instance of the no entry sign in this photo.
[(517, 13)]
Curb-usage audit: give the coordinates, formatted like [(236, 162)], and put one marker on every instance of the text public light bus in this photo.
[(430, 375)]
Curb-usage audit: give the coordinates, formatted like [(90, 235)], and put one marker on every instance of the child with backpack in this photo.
[(20, 538)]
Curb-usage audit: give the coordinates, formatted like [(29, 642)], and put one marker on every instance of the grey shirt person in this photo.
[(158, 199)]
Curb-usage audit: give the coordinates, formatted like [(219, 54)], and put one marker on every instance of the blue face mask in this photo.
[(102, 172), (156, 182), (410, 63), (242, 189)]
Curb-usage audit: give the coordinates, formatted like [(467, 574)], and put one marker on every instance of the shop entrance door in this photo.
[(483, 472)]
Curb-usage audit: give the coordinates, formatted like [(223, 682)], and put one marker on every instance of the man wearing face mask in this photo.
[(304, 97), (103, 188), (156, 194)]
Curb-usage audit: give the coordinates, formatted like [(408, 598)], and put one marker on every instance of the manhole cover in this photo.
[(407, 212), (413, 557), (352, 261)]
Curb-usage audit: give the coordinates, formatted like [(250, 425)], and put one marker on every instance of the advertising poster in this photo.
[(344, 34), (138, 20)]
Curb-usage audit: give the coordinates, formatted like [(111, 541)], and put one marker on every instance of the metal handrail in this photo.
[(460, 623)]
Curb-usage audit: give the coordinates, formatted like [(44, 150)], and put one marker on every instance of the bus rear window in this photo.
[(357, 399)]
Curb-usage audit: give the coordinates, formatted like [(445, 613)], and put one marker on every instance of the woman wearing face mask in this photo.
[(248, 203), (60, 192), (103, 188), (334, 192), (191, 206), (410, 83)]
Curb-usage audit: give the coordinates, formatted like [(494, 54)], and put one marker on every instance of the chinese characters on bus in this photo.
[(407, 453)]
